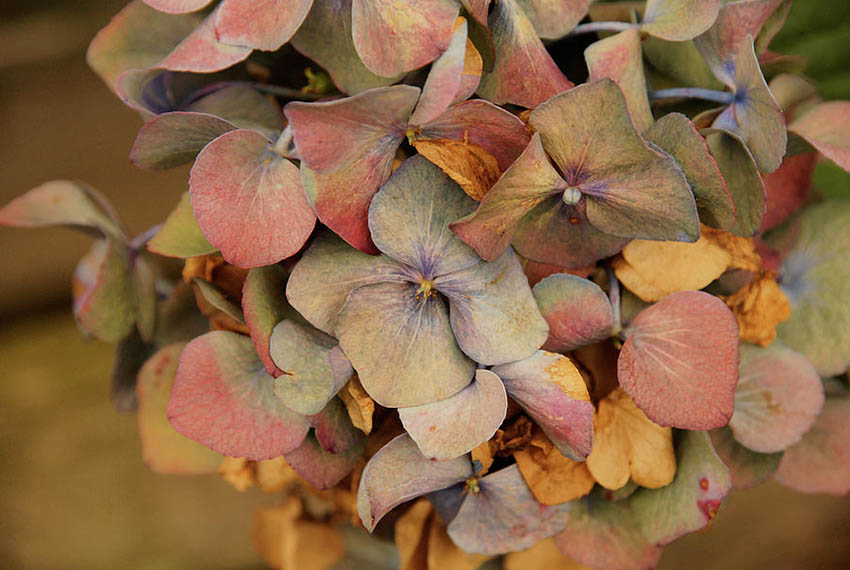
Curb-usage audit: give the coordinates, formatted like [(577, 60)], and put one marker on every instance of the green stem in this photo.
[(723, 97)]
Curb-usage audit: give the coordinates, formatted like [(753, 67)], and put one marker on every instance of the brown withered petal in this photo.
[(239, 472), (658, 268), (759, 307), (274, 475), (627, 445), (515, 436), (484, 456), (411, 535), (286, 541), (359, 405), (543, 555), (552, 478), (741, 249), (468, 164)]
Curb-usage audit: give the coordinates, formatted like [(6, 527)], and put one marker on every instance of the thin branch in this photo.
[(723, 97)]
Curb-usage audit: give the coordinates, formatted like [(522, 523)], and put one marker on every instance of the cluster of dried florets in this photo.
[(574, 311)]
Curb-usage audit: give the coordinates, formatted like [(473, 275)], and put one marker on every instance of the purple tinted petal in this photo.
[(409, 219), (504, 516), (454, 426), (398, 473), (493, 313), (401, 345)]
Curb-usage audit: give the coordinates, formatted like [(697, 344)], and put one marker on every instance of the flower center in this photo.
[(472, 486), (571, 196), (426, 289)]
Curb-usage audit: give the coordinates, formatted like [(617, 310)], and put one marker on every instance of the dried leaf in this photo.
[(444, 553), (359, 405), (742, 250), (411, 531), (544, 554), (759, 307), (288, 542), (552, 478), (468, 164), (627, 445), (239, 472), (664, 267), (514, 437), (274, 475), (483, 454)]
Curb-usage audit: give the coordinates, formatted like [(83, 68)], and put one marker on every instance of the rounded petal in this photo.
[(455, 426)]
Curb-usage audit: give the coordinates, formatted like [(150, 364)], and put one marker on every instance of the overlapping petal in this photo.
[(452, 427)]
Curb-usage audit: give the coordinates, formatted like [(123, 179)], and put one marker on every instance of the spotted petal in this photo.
[(577, 310), (746, 467), (680, 361), (249, 200), (401, 345), (409, 219), (399, 472), (504, 516), (552, 391), (223, 398), (693, 498), (631, 190), (454, 426), (493, 313)]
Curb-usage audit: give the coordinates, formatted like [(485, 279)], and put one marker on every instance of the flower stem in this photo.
[(276, 90), (723, 97), (602, 27)]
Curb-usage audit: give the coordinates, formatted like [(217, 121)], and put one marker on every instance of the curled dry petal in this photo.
[(399, 472)]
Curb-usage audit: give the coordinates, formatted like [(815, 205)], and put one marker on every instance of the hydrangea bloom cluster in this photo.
[(512, 282)]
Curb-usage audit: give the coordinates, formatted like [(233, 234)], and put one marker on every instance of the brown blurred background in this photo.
[(74, 492)]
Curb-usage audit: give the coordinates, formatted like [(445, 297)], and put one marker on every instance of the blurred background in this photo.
[(74, 492)]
